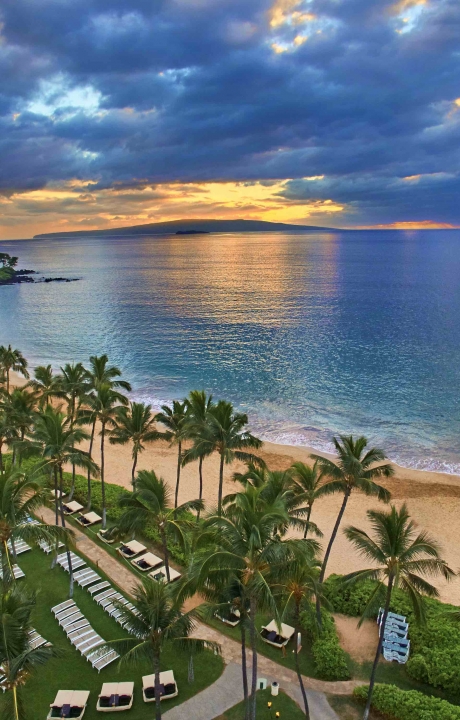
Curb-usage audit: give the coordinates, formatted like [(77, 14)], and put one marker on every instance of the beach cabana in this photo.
[(57, 493), (160, 574), (71, 507), (130, 549), (168, 687), (146, 562), (277, 636), (115, 697), (88, 519), (69, 704), (229, 616)]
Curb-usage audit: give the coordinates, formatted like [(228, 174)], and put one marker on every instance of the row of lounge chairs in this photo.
[(35, 641), (17, 572), (147, 561), (71, 507), (273, 634), (82, 636), (395, 646)]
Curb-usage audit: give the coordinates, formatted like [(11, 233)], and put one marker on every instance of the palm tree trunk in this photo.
[(104, 511), (69, 559), (133, 471), (308, 520), (56, 506), (297, 665), (7, 381), (328, 552), (156, 669), (367, 709), (191, 670), (179, 462), (253, 700), (164, 543), (1, 456), (244, 668), (15, 702), (200, 495), (221, 483), (8, 559), (90, 453)]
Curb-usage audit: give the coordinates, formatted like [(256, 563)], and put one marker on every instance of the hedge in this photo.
[(330, 659), (407, 704), (435, 645)]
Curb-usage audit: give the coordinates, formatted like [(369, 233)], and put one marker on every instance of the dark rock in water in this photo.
[(15, 280), (58, 279), (26, 272), (192, 232)]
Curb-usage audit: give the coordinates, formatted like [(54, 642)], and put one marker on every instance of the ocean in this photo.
[(311, 335)]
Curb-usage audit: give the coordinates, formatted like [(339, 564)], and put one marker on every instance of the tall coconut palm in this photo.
[(309, 485), (103, 406), (101, 373), (155, 621), (56, 440), (12, 360), (18, 659), (401, 558), (226, 434), (19, 407), (8, 434), (134, 424), (20, 495), (151, 504), (356, 469), (241, 544), (44, 385), (73, 386), (198, 406), (174, 420)]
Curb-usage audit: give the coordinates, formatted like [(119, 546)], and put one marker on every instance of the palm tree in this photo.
[(44, 385), (8, 434), (134, 424), (19, 496), (101, 373), (17, 658), (198, 406), (19, 408), (355, 469), (174, 418), (151, 504), (103, 407), (308, 485), (225, 433), (12, 360), (401, 558), (157, 620), (73, 385), (56, 440), (242, 545)]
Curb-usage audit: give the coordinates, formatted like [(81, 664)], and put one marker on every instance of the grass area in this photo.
[(307, 665), (72, 671), (348, 708), (283, 704)]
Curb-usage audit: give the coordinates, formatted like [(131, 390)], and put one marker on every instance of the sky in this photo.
[(343, 113)]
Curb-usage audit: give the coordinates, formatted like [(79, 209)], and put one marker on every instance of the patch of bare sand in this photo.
[(359, 642)]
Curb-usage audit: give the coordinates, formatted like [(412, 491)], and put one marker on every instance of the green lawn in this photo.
[(283, 704), (72, 671)]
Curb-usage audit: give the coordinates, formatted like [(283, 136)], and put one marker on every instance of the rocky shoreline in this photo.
[(23, 276)]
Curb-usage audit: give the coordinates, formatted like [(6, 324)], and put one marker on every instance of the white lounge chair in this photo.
[(104, 537), (88, 519), (19, 546), (101, 658), (160, 574), (17, 572), (104, 595), (62, 606), (69, 508), (89, 580), (168, 686), (130, 549), (97, 588), (69, 699), (277, 636), (115, 697)]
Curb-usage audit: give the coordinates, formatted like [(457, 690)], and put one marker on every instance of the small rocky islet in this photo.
[(10, 276)]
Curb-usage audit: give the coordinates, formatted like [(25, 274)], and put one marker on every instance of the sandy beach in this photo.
[(433, 498)]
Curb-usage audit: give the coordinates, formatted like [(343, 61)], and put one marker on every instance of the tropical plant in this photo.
[(20, 495), (18, 408), (355, 469), (401, 558), (174, 419), (226, 434), (12, 360), (103, 406), (101, 373), (241, 545), (44, 385), (150, 504), (73, 386), (8, 434), (18, 659), (134, 424), (198, 405), (309, 485)]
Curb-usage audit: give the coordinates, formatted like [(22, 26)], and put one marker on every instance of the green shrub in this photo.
[(330, 659), (408, 704)]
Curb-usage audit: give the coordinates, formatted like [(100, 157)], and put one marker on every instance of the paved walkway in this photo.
[(227, 691)]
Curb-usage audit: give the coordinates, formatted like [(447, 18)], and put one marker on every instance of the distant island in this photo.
[(10, 276), (192, 227)]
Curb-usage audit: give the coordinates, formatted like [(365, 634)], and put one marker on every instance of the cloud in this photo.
[(206, 93)]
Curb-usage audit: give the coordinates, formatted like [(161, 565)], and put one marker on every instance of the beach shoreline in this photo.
[(433, 498)]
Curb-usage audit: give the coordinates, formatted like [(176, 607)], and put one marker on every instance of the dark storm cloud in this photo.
[(183, 90)]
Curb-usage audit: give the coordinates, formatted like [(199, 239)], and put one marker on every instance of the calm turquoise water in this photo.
[(311, 335)]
